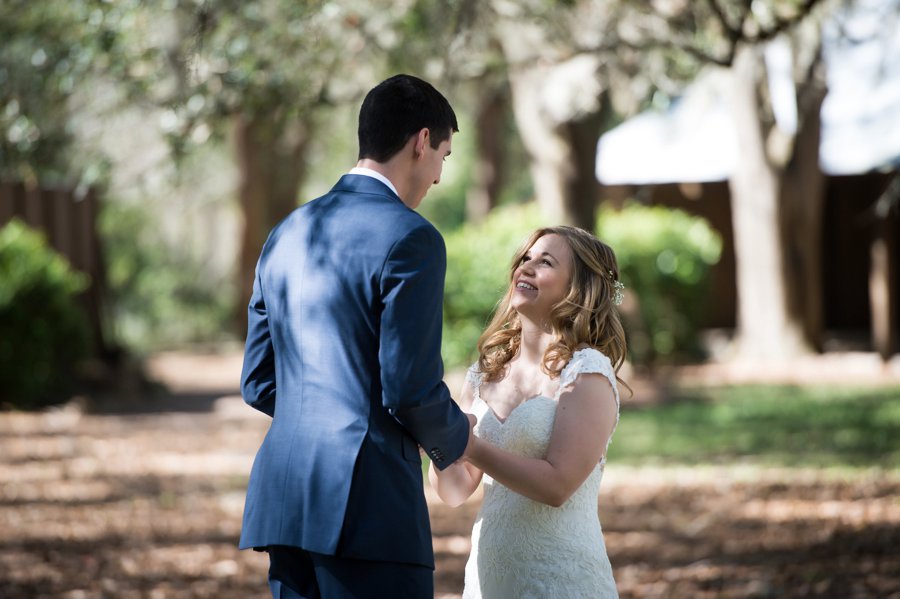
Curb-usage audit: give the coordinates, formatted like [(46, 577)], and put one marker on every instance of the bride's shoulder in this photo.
[(474, 376), (586, 359), (585, 354)]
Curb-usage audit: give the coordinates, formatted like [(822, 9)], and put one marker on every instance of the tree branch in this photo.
[(733, 33), (656, 44), (783, 23)]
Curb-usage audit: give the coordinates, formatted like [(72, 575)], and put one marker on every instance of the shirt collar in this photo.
[(367, 172)]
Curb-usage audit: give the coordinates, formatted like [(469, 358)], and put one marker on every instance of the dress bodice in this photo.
[(538, 418), (523, 548)]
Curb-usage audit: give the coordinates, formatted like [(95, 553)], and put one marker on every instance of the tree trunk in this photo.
[(766, 326), (802, 199), (270, 157), (883, 290), (559, 127), (490, 154), (884, 294), (559, 105), (547, 153), (583, 189)]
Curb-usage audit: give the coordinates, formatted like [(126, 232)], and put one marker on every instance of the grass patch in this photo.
[(767, 425)]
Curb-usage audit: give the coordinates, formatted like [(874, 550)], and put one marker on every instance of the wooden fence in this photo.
[(69, 221)]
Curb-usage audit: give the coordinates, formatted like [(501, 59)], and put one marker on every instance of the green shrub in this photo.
[(478, 260), (664, 259), (43, 332), (161, 295)]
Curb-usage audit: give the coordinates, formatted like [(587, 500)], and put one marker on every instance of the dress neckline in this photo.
[(503, 421)]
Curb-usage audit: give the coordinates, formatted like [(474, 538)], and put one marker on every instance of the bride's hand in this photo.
[(473, 420)]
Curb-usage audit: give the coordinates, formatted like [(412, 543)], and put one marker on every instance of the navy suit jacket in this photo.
[(343, 351)]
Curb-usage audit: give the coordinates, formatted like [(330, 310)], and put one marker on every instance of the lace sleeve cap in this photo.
[(588, 360), (474, 377)]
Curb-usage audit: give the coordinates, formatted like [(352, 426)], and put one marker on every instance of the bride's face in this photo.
[(542, 278)]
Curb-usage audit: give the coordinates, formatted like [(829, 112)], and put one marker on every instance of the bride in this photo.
[(544, 390)]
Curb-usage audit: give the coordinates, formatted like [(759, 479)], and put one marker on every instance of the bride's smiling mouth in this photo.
[(522, 285)]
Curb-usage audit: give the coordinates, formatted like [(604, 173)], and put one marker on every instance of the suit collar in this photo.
[(364, 184), (358, 170)]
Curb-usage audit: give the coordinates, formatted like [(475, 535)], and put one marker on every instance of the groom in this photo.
[(343, 351)]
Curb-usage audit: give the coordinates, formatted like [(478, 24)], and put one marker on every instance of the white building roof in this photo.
[(694, 139)]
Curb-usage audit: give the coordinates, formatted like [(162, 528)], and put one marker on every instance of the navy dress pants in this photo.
[(295, 573)]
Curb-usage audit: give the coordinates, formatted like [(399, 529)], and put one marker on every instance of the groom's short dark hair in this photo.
[(398, 108)]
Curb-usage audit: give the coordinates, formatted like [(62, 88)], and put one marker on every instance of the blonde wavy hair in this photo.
[(586, 316)]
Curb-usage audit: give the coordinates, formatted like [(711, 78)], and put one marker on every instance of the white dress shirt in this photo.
[(367, 172)]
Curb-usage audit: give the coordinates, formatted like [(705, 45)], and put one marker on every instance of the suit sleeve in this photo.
[(258, 373), (412, 290)]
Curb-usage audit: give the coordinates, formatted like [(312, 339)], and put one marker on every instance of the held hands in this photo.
[(472, 422), (458, 481)]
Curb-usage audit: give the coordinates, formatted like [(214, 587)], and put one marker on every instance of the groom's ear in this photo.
[(422, 137)]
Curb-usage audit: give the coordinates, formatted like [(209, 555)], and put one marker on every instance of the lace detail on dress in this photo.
[(587, 360), (525, 549)]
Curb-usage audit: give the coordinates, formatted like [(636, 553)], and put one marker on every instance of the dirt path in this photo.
[(147, 504)]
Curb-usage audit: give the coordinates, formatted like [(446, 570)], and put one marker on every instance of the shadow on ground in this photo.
[(145, 502)]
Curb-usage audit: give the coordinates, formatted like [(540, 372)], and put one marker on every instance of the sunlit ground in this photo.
[(147, 504)]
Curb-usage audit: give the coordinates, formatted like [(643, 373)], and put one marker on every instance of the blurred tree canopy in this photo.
[(570, 70), (259, 71), (262, 74), (47, 49)]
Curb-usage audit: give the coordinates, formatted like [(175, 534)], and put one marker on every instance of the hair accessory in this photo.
[(618, 290)]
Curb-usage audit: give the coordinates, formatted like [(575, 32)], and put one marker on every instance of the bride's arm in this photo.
[(585, 418), (456, 483)]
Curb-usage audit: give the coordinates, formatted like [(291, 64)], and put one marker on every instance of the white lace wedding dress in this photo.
[(522, 549)]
